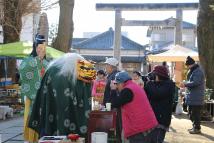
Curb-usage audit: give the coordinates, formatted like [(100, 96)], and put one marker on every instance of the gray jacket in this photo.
[(195, 86)]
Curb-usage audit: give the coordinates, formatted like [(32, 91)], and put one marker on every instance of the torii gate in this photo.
[(119, 21)]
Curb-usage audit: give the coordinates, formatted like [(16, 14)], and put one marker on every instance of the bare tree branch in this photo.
[(10, 16), (13, 27), (49, 4)]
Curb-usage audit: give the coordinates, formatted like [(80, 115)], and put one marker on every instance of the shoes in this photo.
[(194, 131), (190, 129)]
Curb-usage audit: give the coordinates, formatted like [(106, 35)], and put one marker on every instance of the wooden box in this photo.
[(101, 121)]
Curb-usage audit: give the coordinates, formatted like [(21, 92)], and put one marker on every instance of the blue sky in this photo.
[(87, 19)]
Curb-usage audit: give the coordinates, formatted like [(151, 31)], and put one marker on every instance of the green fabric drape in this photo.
[(61, 107)]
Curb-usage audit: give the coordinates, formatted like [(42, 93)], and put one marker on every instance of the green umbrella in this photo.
[(23, 49)]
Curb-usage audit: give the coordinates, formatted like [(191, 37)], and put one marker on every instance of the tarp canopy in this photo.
[(176, 53), (23, 49)]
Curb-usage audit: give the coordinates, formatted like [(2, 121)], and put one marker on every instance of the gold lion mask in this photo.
[(86, 71)]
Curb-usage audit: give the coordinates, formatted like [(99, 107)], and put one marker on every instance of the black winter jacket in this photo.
[(160, 95), (107, 92)]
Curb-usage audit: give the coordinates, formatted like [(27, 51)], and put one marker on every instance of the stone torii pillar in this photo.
[(178, 27), (118, 8), (117, 35)]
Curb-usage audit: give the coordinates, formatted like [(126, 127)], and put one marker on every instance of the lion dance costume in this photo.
[(63, 102)]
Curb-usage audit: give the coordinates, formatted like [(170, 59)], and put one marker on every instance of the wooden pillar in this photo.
[(117, 35), (178, 27)]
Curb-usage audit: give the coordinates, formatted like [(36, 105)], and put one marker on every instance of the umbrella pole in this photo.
[(5, 71)]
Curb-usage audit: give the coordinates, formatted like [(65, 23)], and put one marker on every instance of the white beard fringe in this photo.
[(67, 65)]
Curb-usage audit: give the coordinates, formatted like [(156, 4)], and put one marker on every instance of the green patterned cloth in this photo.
[(30, 69), (61, 107)]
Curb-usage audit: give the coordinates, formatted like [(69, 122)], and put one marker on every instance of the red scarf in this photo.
[(42, 72)]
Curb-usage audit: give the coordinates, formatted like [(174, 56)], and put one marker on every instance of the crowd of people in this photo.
[(57, 102)]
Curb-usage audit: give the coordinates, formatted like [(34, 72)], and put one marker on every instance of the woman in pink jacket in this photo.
[(99, 87), (138, 118)]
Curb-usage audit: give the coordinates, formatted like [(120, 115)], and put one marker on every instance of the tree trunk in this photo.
[(205, 32), (12, 23), (65, 29)]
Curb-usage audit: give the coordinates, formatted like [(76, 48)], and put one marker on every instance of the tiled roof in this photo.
[(77, 40), (186, 25), (167, 46), (123, 58), (164, 47), (105, 41)]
